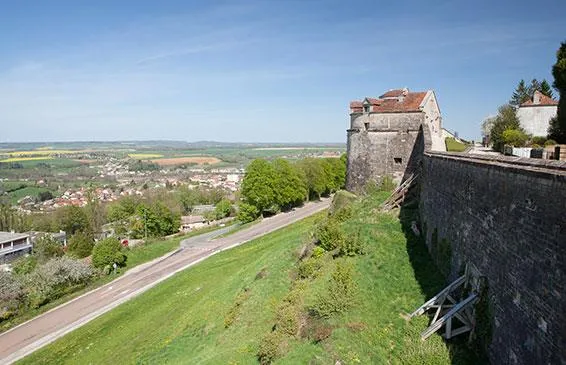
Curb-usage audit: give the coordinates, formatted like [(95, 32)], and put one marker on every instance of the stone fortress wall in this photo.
[(507, 217)]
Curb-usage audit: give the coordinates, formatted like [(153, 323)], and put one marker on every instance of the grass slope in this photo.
[(454, 146), (183, 319)]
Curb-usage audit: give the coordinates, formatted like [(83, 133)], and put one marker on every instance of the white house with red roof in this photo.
[(535, 114)]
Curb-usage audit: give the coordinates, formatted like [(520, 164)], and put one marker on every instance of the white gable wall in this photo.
[(536, 119)]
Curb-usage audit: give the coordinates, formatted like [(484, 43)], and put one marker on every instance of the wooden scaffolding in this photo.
[(457, 316), (400, 193)]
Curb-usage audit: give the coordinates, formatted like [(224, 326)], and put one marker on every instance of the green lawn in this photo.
[(32, 191), (454, 146), (182, 320)]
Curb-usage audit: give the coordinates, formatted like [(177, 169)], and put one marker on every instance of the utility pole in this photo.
[(145, 222)]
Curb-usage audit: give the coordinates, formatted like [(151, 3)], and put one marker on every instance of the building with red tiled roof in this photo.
[(385, 131), (535, 114)]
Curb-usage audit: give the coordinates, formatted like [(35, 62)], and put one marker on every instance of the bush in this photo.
[(316, 329), (515, 137), (318, 252), (309, 267), (80, 245), (288, 319), (247, 213), (107, 252), (341, 199), (24, 265), (537, 140), (270, 347), (331, 237), (222, 209), (341, 293), (46, 247), (11, 295), (550, 142), (50, 281), (387, 183)]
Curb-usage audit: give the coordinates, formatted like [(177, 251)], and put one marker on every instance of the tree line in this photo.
[(271, 186)]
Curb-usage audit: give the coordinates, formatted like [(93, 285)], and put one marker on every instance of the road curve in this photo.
[(46, 328)]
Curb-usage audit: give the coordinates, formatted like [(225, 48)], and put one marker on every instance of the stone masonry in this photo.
[(507, 217)]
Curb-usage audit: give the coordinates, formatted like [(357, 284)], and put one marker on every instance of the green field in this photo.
[(183, 320), (454, 146), (32, 191)]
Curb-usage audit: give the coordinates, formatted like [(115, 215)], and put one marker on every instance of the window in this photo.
[(398, 160), (366, 125), (366, 108)]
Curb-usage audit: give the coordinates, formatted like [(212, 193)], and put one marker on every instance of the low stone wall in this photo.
[(507, 217)]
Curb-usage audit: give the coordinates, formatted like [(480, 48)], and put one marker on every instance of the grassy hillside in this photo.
[(223, 310)]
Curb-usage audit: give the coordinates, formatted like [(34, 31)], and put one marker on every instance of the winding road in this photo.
[(46, 328)]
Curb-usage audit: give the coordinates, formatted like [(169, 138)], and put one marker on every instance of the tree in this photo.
[(122, 209), (45, 195), (258, 186), (515, 137), (520, 95), (247, 213), (486, 125), (505, 119), (46, 247), (80, 245), (107, 252), (315, 177), (290, 188), (546, 89), (73, 219), (156, 220), (557, 128), (534, 86), (222, 209)]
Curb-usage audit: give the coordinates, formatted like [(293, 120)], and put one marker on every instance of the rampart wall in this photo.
[(507, 217)]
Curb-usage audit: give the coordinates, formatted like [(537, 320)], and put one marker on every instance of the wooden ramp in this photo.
[(398, 196), (456, 316)]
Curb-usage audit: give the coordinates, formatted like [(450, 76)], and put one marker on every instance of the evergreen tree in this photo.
[(557, 129), (520, 95), (546, 89), (534, 86)]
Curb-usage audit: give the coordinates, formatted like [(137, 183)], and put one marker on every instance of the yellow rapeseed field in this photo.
[(144, 156), (20, 159), (40, 153)]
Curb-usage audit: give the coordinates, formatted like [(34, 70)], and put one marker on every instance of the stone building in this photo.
[(535, 114), (387, 135)]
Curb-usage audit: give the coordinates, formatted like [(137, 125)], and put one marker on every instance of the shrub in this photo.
[(343, 214), (288, 319), (341, 293), (222, 209), (46, 247), (318, 252), (247, 213), (50, 280), (550, 142), (234, 312), (270, 347), (24, 265), (309, 267), (11, 294), (316, 329), (515, 137), (387, 184), (341, 199), (107, 252), (538, 140), (80, 245), (331, 237)]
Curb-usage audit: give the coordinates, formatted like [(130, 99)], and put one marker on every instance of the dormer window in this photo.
[(366, 108)]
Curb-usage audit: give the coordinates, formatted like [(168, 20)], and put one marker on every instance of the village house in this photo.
[(535, 114)]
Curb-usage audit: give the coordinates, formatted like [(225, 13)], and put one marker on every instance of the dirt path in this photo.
[(40, 331)]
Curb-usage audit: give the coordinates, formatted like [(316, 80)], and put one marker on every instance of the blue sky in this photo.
[(257, 71)]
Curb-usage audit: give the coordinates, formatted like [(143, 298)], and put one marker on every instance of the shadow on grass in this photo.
[(431, 280)]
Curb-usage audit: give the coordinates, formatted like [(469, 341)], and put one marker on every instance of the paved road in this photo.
[(30, 336)]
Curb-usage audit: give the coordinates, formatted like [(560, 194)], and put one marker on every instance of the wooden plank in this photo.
[(442, 321)]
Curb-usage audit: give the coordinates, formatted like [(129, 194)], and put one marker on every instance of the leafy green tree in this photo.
[(222, 209), (546, 89), (505, 119), (290, 188), (73, 219), (80, 245), (46, 247), (10, 219), (315, 177), (156, 220), (520, 95), (515, 137), (258, 186), (557, 128), (247, 213), (107, 252)]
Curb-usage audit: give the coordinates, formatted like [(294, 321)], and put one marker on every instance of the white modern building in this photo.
[(13, 245)]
